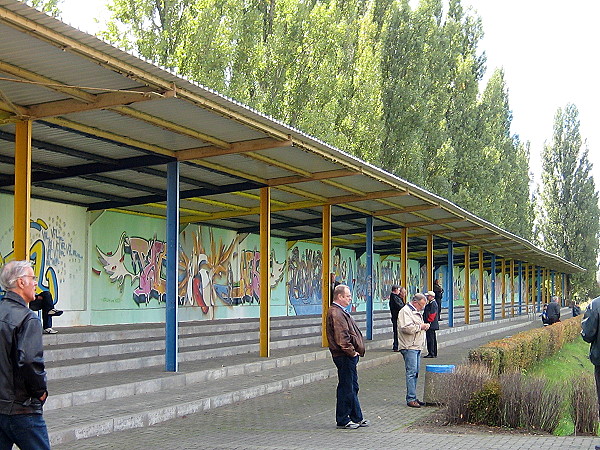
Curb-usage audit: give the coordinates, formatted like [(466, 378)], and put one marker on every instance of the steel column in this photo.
[(265, 272), (370, 280), (172, 282)]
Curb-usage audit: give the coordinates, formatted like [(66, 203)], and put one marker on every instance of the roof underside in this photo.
[(105, 125)]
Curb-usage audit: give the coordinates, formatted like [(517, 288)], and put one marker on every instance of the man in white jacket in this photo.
[(411, 339)]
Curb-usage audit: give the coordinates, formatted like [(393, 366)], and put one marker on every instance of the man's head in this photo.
[(429, 295), (18, 277), (419, 301), (402, 292), (395, 289), (342, 295), (555, 299)]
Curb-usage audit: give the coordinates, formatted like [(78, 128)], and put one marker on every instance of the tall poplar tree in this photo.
[(569, 213)]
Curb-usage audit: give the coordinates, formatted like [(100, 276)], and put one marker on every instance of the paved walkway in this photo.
[(303, 418)]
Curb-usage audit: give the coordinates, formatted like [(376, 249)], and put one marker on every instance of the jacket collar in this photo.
[(15, 297)]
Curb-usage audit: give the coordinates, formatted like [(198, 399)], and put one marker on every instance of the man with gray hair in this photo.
[(411, 339), (553, 311), (22, 373)]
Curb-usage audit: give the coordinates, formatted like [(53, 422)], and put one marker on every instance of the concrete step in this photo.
[(159, 397)]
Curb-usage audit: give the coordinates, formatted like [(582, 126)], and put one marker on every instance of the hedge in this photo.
[(522, 350)]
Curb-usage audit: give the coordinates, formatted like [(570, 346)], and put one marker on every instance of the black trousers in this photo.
[(597, 377), (395, 329), (431, 342)]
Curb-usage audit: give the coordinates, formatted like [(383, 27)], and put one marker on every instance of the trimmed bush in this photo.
[(518, 352)]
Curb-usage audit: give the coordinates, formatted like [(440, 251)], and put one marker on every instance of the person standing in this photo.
[(346, 345), (590, 327), (439, 292), (23, 388), (412, 330), (397, 301), (553, 311), (430, 316)]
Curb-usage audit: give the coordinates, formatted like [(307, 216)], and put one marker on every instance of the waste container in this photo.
[(436, 377)]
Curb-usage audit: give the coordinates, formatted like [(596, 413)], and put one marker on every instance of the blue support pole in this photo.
[(450, 284), (171, 363), (520, 291), (370, 286), (539, 289), (493, 286)]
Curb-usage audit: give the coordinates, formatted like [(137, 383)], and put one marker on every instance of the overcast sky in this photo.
[(548, 49)]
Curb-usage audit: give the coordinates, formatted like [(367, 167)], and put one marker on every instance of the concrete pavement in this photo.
[(303, 416)]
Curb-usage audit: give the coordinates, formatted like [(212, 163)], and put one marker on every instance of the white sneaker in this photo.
[(349, 426), (50, 331)]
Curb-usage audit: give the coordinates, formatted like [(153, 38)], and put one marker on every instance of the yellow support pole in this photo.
[(430, 262), (467, 284), (22, 198), (481, 290), (326, 282), (265, 271), (512, 288), (503, 276), (526, 271), (404, 258)]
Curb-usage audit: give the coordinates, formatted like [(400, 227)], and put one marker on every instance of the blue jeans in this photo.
[(412, 361), (347, 407), (27, 431)]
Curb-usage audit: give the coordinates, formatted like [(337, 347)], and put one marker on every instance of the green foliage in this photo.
[(569, 212), (47, 6), (396, 86), (484, 405)]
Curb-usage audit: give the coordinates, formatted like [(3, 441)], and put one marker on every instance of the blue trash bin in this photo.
[(436, 375)]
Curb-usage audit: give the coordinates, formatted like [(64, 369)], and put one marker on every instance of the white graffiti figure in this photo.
[(114, 265)]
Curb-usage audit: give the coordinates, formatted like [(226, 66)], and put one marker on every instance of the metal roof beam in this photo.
[(183, 194)]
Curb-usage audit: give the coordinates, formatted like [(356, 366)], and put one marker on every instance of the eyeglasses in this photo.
[(33, 277)]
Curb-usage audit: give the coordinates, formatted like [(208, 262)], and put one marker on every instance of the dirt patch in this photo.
[(436, 423)]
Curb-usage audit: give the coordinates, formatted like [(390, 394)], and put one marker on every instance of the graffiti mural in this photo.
[(51, 250), (141, 260), (208, 275), (304, 280)]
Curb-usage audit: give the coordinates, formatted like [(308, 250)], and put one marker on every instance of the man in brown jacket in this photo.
[(346, 346)]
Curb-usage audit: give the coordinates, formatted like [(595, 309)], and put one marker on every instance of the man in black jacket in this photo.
[(430, 316), (22, 372), (590, 332), (397, 301), (553, 311)]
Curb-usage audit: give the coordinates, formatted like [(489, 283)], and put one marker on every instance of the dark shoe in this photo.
[(55, 312), (414, 404), (395, 350), (364, 423), (421, 403), (428, 356), (349, 426)]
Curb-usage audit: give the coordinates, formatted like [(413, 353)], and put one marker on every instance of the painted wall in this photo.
[(107, 268), (58, 253)]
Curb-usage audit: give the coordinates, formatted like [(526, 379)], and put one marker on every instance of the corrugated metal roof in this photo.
[(105, 118)]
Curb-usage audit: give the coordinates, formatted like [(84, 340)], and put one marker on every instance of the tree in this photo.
[(47, 6), (569, 213)]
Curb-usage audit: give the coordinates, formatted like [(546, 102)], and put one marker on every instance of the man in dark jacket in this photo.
[(22, 373), (397, 301), (553, 311), (439, 292), (430, 316), (590, 332), (346, 346)]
